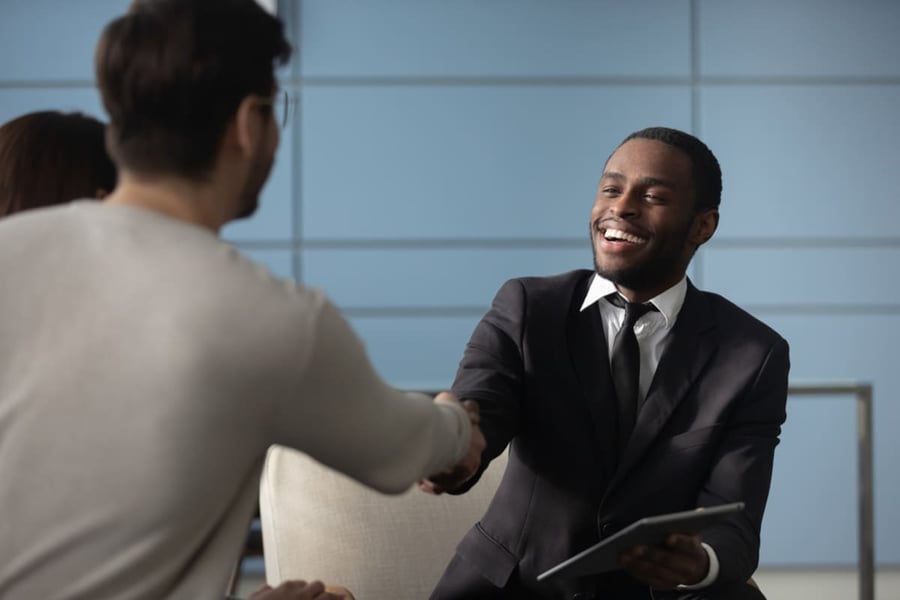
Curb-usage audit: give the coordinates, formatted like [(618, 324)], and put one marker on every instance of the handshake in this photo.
[(461, 472)]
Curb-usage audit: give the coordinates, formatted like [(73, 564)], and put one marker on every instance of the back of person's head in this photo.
[(50, 157), (705, 168), (173, 72)]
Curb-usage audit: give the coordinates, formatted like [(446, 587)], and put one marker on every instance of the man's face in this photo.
[(644, 228)]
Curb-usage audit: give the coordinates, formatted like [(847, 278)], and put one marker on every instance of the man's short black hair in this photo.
[(705, 168)]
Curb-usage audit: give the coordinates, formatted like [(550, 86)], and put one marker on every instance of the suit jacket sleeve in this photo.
[(491, 373), (741, 470)]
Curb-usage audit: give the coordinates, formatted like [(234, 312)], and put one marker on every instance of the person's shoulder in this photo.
[(265, 310), (545, 295), (267, 288), (560, 283), (38, 217), (29, 230), (734, 318)]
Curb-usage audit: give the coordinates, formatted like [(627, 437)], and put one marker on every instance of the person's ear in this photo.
[(705, 224), (100, 194), (249, 124)]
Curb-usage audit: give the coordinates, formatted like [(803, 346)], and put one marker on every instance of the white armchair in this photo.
[(320, 524)]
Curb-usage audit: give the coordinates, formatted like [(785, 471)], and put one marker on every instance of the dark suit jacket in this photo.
[(705, 435)]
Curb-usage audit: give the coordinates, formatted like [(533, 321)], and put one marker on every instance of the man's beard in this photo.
[(652, 270), (249, 204), (642, 276), (256, 179)]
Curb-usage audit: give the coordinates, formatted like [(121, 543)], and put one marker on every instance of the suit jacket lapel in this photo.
[(692, 345), (590, 359)]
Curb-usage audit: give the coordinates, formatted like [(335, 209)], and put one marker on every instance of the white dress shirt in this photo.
[(651, 330)]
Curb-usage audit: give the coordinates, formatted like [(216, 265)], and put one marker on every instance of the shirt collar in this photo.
[(668, 303)]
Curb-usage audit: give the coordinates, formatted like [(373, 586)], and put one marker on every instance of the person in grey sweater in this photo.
[(147, 366)]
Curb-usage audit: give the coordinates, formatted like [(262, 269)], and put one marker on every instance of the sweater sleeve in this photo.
[(345, 416)]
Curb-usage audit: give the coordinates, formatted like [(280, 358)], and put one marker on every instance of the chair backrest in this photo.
[(320, 524)]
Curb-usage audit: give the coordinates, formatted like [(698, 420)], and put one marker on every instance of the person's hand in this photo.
[(339, 591), (300, 590), (468, 466), (680, 560)]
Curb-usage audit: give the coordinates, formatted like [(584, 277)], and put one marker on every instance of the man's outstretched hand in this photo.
[(468, 466)]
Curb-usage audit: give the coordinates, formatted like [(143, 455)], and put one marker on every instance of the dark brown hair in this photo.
[(173, 72), (51, 157)]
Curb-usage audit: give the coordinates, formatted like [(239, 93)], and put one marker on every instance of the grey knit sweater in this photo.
[(145, 368)]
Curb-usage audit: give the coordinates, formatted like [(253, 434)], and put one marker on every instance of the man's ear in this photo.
[(248, 123), (705, 224)]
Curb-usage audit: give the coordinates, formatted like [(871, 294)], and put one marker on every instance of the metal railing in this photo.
[(865, 477)]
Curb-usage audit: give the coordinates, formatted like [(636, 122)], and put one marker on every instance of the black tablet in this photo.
[(650, 531)]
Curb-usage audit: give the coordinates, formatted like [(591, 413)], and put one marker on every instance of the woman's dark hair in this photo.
[(50, 157), (173, 72)]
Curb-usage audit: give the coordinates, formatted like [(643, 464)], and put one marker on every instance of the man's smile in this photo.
[(618, 235), (614, 234)]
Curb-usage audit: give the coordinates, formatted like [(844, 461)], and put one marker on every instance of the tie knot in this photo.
[(633, 310)]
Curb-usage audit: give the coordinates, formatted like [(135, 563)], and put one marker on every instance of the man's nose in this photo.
[(627, 204)]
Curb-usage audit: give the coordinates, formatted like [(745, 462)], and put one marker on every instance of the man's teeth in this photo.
[(615, 234)]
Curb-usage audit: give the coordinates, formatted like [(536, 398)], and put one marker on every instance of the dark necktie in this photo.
[(625, 365)]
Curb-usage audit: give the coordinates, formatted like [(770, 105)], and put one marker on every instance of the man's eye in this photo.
[(654, 198), (610, 191)]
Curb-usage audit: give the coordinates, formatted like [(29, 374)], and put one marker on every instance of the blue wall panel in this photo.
[(814, 484), (15, 101), (416, 353), (428, 38), (799, 38), (465, 162), (820, 277), (44, 40), (430, 277), (806, 161), (837, 348)]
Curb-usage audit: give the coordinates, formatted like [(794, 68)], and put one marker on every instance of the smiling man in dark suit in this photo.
[(693, 422)]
